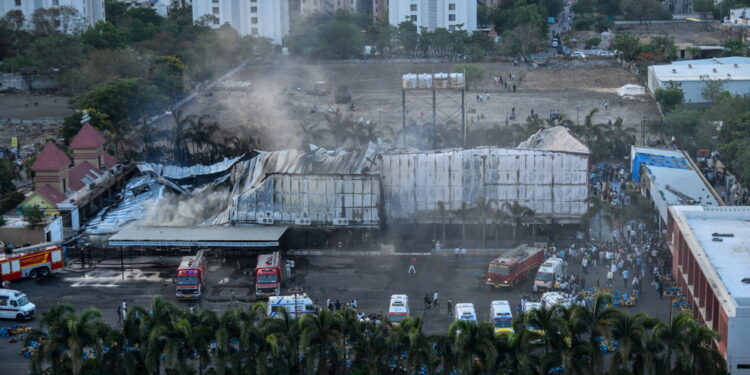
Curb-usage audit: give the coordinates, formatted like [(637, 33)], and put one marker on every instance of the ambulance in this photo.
[(297, 305), (550, 299), (501, 316), (15, 305), (527, 308), (552, 269), (465, 311), (399, 308)]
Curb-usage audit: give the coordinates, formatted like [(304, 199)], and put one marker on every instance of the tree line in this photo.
[(167, 339)]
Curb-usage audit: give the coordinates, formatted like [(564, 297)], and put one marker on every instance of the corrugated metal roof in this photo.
[(199, 234), (177, 173), (701, 72)]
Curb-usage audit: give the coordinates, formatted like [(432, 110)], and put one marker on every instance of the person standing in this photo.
[(427, 302), (625, 278), (412, 266), (288, 268), (354, 303), (584, 264), (337, 305), (610, 277), (435, 300), (124, 309), (450, 307)]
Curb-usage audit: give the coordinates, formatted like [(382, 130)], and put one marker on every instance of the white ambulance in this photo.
[(15, 305), (550, 299), (501, 316), (552, 269), (399, 308), (296, 305), (465, 311)]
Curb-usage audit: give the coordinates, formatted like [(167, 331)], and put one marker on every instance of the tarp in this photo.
[(658, 161)]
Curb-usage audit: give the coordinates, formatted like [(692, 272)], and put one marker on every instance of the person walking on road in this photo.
[(412, 266), (610, 277), (450, 307), (625, 278), (427, 302), (435, 300)]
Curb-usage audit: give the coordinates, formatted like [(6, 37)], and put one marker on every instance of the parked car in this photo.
[(578, 54), (606, 54)]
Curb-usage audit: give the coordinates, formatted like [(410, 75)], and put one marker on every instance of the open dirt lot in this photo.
[(278, 105), (31, 107)]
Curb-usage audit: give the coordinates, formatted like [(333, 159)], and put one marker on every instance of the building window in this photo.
[(254, 31), (57, 23), (215, 1), (55, 3), (254, 19), (452, 28), (451, 17), (253, 9), (413, 7), (255, 1), (413, 18), (451, 6), (18, 3), (216, 20), (216, 10)]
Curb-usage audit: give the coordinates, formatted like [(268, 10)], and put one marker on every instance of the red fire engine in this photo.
[(191, 276), (31, 263), (520, 263), (268, 275)]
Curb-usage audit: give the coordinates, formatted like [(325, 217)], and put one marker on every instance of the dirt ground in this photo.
[(30, 107), (278, 105)]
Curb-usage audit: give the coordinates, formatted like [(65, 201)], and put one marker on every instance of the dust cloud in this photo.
[(176, 210)]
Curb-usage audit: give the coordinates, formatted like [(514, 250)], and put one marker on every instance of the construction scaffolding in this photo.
[(443, 95)]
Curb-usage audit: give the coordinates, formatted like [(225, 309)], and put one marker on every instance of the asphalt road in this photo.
[(369, 279)]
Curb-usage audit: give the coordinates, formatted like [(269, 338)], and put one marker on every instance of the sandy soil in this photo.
[(29, 107)]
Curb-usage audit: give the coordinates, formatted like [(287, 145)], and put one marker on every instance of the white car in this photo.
[(554, 43), (578, 54), (606, 54), (15, 305)]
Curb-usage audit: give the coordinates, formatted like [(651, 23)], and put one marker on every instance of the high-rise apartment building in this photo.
[(89, 12), (262, 18), (432, 14)]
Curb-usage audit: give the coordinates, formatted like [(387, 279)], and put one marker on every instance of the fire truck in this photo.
[(517, 265), (191, 276), (33, 263), (268, 275)]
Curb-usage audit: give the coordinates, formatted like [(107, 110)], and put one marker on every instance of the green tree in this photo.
[(322, 342), (7, 175), (643, 10), (55, 51), (474, 345), (104, 35), (473, 74), (115, 12), (713, 88), (704, 7), (669, 97), (593, 42), (123, 99), (627, 44), (33, 216), (72, 124), (408, 36)]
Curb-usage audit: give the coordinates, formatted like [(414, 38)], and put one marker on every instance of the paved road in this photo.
[(369, 279)]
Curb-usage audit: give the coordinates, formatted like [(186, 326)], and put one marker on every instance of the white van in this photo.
[(552, 269), (550, 299), (501, 316), (399, 308), (296, 305), (15, 305), (465, 311)]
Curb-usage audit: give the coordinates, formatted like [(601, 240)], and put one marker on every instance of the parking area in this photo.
[(369, 279)]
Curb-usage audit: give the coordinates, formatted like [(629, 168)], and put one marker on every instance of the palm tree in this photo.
[(619, 138), (418, 347), (371, 349), (486, 207), (69, 336), (475, 346), (201, 135), (547, 320), (675, 337), (632, 331), (596, 322), (705, 358), (321, 341)]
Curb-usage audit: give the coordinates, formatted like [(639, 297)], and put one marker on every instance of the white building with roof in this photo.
[(89, 12), (710, 256), (433, 14), (261, 18), (739, 16), (692, 78), (669, 178)]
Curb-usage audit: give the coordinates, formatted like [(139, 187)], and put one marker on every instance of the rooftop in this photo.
[(51, 158), (87, 137), (51, 194), (715, 61), (690, 72), (216, 236), (83, 174), (727, 256)]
